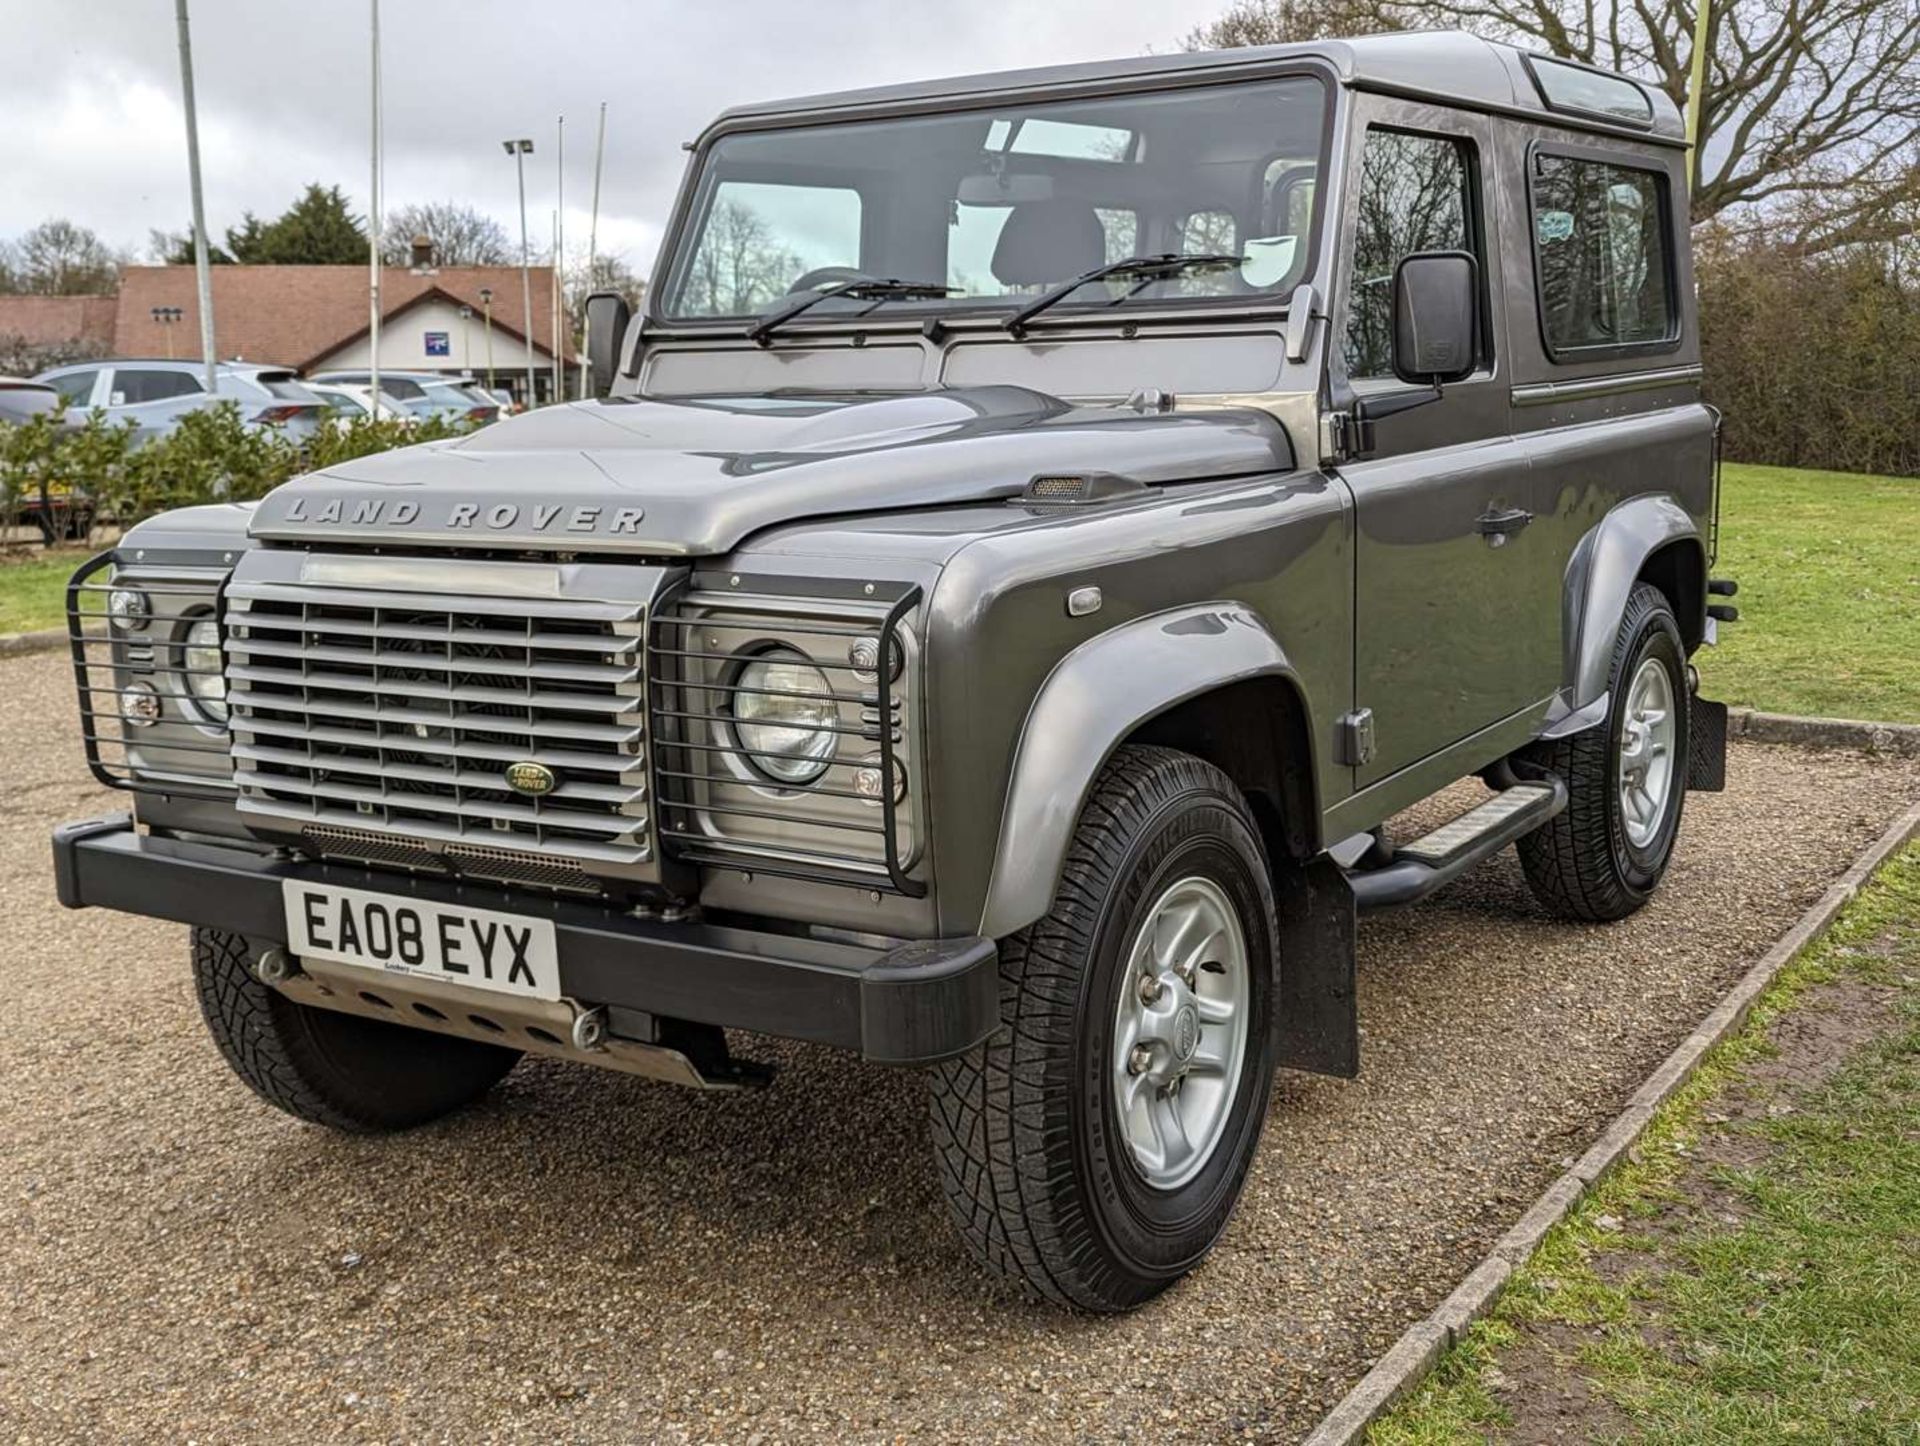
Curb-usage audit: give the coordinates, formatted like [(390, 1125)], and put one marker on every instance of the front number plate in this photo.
[(479, 947)]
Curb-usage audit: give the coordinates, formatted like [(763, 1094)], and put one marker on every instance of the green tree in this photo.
[(316, 230), (175, 248)]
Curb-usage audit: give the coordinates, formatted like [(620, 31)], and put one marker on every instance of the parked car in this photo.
[(59, 509), (347, 400), (426, 394), (155, 395), (995, 638)]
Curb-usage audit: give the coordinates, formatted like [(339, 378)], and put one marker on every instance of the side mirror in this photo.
[(1436, 317), (607, 318)]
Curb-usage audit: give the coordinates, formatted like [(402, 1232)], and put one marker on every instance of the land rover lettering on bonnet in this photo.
[(991, 637)]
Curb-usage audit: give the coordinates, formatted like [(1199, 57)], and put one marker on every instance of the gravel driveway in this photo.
[(593, 1257)]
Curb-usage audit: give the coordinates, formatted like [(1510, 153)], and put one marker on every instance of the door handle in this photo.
[(1498, 524)]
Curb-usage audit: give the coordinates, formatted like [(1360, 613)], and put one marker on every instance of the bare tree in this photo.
[(458, 234), (738, 267), (609, 273), (1811, 125), (59, 258)]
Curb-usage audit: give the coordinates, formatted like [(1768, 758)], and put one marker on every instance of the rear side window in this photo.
[(133, 385), (76, 387), (1603, 256)]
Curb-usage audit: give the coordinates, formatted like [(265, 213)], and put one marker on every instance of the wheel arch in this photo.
[(1649, 538), (1210, 679)]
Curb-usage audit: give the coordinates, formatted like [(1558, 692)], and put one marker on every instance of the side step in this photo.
[(1432, 862)]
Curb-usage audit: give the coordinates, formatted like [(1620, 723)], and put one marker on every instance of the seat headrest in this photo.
[(1047, 242)]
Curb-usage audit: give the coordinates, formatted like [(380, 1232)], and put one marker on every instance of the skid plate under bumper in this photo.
[(908, 1005)]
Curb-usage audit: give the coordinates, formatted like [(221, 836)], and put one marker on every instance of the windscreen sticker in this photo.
[(1553, 226), (1268, 259)]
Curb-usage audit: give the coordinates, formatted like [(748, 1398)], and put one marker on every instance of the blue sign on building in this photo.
[(438, 344)]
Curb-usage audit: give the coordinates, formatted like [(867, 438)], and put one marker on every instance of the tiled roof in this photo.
[(296, 315)]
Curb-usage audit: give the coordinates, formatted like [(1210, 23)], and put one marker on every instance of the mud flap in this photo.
[(1318, 1024), (1706, 746)]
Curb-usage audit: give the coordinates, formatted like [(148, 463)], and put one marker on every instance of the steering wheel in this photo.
[(822, 276)]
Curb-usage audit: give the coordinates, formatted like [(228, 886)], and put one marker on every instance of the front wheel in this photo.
[(1603, 856), (1094, 1148)]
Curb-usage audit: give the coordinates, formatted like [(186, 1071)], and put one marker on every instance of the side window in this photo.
[(133, 385), (1602, 251), (1416, 195), (76, 387)]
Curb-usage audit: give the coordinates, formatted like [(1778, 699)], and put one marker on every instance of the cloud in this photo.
[(95, 130)]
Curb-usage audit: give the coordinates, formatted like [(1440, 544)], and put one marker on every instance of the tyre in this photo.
[(1095, 1147), (1605, 854), (339, 1070)]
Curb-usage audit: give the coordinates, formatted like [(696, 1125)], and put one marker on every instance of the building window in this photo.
[(1416, 194), (1603, 256)]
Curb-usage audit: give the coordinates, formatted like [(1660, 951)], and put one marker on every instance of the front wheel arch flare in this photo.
[(1106, 692)]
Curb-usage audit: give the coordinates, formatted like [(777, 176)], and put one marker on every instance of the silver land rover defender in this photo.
[(1041, 529)]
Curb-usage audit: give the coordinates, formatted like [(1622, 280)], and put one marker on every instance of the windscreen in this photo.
[(1005, 204)]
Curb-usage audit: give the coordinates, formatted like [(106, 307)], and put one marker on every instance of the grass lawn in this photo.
[(1829, 570), (33, 590), (1753, 1274)]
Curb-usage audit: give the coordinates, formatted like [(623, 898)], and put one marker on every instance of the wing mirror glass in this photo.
[(1436, 317), (607, 318)]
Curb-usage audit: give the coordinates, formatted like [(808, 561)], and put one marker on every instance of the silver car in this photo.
[(155, 395), (426, 394)]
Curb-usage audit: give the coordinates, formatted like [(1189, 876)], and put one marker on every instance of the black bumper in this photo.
[(911, 1005)]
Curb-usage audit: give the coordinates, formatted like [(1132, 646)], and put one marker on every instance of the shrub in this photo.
[(212, 456)]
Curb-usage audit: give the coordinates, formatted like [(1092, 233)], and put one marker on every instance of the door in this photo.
[(1456, 605)]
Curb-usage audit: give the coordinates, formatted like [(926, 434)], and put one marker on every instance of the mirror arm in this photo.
[(1356, 428)]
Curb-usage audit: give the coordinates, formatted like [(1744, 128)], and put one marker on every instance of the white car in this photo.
[(346, 401)]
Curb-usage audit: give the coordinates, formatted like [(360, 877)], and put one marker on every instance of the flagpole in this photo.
[(559, 254), (373, 227), (202, 269), (1697, 88), (593, 234)]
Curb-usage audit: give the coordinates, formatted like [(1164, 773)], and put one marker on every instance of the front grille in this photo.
[(380, 725)]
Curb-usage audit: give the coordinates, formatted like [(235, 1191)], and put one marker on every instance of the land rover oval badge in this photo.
[(530, 778)]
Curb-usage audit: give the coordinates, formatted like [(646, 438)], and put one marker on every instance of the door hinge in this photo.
[(1353, 744), (1353, 435)]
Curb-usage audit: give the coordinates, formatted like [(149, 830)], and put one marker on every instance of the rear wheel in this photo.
[(1603, 857), (1094, 1149), (339, 1070)]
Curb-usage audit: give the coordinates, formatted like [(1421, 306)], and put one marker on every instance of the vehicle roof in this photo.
[(419, 376), (24, 384), (175, 363), (1445, 65)]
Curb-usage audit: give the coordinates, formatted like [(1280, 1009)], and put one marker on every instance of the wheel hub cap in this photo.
[(1180, 1031), (1648, 731)]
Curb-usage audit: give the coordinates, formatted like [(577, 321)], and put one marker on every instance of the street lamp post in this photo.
[(520, 150), (486, 309)]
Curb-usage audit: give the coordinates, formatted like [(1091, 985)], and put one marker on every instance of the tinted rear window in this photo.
[(134, 385), (284, 386), (1603, 249)]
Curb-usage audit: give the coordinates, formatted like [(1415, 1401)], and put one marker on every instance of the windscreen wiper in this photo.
[(859, 288), (1148, 268)]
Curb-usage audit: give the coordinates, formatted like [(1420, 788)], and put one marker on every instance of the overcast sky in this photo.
[(90, 104)]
